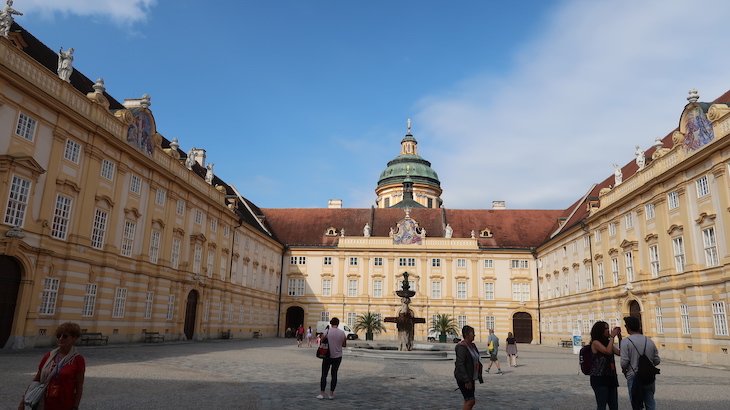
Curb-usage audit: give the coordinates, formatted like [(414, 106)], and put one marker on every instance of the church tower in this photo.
[(408, 171)]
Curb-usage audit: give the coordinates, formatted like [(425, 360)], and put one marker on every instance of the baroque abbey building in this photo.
[(107, 223)]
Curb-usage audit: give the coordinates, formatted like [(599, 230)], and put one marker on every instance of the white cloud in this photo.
[(120, 11), (600, 78)]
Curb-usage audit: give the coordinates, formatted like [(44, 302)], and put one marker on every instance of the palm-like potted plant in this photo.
[(370, 323), (443, 324)]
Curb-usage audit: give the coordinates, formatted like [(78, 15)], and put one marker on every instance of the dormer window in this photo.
[(331, 231), (486, 233)]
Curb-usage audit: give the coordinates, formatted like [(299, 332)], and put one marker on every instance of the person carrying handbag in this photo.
[(335, 339)]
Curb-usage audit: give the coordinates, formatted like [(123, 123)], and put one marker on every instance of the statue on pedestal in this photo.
[(65, 64), (366, 230), (448, 231), (6, 18), (209, 173)]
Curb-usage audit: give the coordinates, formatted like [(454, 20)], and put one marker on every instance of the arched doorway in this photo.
[(294, 318), (522, 327), (10, 275), (635, 311), (190, 311)]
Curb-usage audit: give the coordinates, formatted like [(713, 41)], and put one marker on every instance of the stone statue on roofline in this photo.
[(209, 173), (640, 158), (190, 160), (618, 176), (448, 231), (65, 64), (366, 230), (6, 18)]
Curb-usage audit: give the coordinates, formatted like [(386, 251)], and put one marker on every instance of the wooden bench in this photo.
[(153, 337), (256, 335), (95, 338), (226, 334), (566, 343)]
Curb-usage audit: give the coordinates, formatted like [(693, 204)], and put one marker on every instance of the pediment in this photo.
[(25, 161), (628, 244), (673, 228), (705, 216), (651, 237)]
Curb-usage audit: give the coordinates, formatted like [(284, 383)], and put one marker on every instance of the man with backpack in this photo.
[(639, 356)]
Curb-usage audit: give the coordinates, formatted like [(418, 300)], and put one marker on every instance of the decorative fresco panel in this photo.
[(140, 131), (698, 129)]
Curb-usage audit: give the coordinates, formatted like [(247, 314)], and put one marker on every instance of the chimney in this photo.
[(499, 205), (334, 203), (199, 156)]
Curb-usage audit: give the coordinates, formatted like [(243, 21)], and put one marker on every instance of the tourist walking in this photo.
[(468, 368), (604, 380), (493, 349), (336, 340), (300, 335), (59, 382), (511, 349), (309, 336), (632, 348)]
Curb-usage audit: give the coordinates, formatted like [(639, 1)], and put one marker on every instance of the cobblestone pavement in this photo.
[(275, 374)]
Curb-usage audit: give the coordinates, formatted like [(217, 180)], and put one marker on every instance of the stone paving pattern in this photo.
[(275, 374)]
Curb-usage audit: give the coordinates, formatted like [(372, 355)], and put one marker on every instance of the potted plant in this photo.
[(370, 323), (443, 324)]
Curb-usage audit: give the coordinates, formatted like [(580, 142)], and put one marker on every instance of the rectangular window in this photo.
[(378, 261), (488, 263), (326, 287), (298, 260), (436, 289), (328, 260), (461, 263), (226, 231), (120, 301), (521, 292), (407, 262), (629, 259), (577, 281), (352, 287), (461, 320), (170, 307), (17, 201), (684, 313), (659, 320), (107, 169), (612, 229), (597, 235), (26, 127), (197, 258), (135, 184), (629, 220), (210, 266), (654, 260), (719, 318), (198, 217), (325, 316), (128, 238), (49, 296), (378, 288), (213, 225), (175, 253), (154, 246), (148, 302), (678, 246), (489, 322), (72, 152), (240, 314), (710, 243), (353, 261), (489, 290), (89, 300), (614, 270), (296, 287), (673, 200), (649, 211), (586, 241), (351, 318), (98, 230), (61, 216), (160, 196), (703, 187), (589, 277), (206, 311), (461, 290), (436, 262), (519, 264), (180, 208), (223, 267)]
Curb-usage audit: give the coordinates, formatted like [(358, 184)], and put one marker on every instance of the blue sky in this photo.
[(297, 102)]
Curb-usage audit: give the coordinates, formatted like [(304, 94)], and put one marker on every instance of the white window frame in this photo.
[(461, 263), (612, 229), (213, 225), (327, 261), (488, 263), (679, 259), (461, 321), (170, 307), (354, 260), (325, 316), (673, 200), (597, 235), (49, 296), (489, 322), (659, 320), (436, 289), (377, 261), (198, 217), (61, 217), (649, 211), (180, 207), (629, 221), (160, 196), (461, 290), (326, 287), (89, 300), (72, 151), (26, 126), (703, 186), (175, 252), (601, 275), (197, 258), (629, 260), (98, 229), (130, 228), (148, 303), (295, 287), (378, 288), (614, 270), (709, 240), (719, 318), (654, 260), (488, 290), (686, 324), (352, 287), (435, 262), (155, 245), (120, 301), (210, 262), (135, 184), (108, 169), (18, 197)]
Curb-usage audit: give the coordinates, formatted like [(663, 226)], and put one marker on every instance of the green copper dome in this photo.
[(409, 164)]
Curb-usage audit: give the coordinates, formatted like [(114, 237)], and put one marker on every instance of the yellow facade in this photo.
[(626, 255), (90, 225)]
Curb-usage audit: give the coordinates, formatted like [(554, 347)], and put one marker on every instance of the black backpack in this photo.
[(646, 373), (585, 359)]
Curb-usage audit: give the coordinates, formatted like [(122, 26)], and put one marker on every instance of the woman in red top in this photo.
[(62, 371)]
